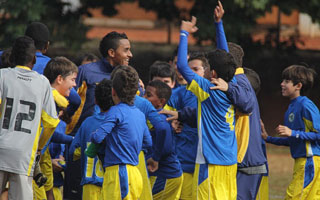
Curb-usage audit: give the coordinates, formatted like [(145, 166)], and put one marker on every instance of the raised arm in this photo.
[(220, 35)]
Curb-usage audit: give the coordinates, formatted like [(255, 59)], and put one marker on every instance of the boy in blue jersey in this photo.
[(301, 124), (215, 172), (91, 168), (166, 181), (123, 132), (164, 72)]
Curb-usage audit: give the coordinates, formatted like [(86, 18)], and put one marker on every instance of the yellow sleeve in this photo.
[(49, 124)]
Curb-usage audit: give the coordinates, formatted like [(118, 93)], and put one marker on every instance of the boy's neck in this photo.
[(294, 95)]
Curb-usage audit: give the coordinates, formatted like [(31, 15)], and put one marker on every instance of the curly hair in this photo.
[(103, 96), (23, 51), (125, 81)]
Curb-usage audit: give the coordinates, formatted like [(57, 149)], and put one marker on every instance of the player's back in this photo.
[(25, 95)]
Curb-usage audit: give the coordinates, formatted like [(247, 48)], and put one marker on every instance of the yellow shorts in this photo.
[(91, 192), (57, 193), (166, 189), (214, 182), (186, 191), (146, 191), (263, 192), (46, 169), (121, 182), (305, 183), (38, 193)]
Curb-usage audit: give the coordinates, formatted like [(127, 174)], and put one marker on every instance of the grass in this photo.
[(280, 171)]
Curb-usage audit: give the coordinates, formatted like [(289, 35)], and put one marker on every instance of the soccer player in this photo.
[(26, 98), (215, 172), (162, 71), (301, 124), (123, 132), (91, 168), (167, 180)]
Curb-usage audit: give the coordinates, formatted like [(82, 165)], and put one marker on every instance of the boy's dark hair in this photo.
[(162, 69), (162, 89), (223, 63), (103, 94), (199, 56), (39, 32), (300, 74), (5, 58), (59, 66), (85, 56), (23, 51), (110, 41), (237, 52), (253, 78), (125, 81)]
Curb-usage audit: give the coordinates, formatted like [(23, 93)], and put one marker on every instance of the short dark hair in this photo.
[(237, 52), (59, 66), (196, 55), (125, 81), (300, 74), (103, 95), (253, 78), (85, 56), (39, 32), (5, 58), (223, 63), (23, 51), (162, 69), (162, 89), (110, 41)]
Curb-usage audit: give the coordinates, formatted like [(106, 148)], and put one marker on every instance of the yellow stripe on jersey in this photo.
[(49, 125), (198, 91), (167, 107), (34, 149), (308, 127), (82, 91), (242, 134), (239, 70), (230, 117), (23, 67), (60, 100), (77, 154)]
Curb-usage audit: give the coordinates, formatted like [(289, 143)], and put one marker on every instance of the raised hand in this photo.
[(218, 12), (284, 131), (220, 84), (189, 26)]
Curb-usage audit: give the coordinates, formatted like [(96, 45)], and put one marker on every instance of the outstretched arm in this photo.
[(220, 35)]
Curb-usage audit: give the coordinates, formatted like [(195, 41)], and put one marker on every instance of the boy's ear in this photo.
[(163, 102), (59, 80), (214, 74), (111, 53), (299, 86)]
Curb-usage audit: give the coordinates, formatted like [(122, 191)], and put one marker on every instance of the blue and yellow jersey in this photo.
[(41, 62), (56, 150), (88, 76), (163, 151), (123, 131), (302, 117), (187, 140), (91, 168), (216, 116)]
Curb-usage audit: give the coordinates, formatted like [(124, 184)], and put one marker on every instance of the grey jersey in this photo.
[(26, 99)]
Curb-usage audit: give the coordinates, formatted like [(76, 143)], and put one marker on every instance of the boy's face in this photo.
[(151, 95), (197, 67), (166, 80), (123, 53), (290, 90), (67, 84)]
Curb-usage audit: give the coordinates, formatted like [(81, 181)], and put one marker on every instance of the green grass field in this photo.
[(281, 168)]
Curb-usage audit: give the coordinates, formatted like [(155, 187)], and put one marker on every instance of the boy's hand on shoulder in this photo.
[(152, 165), (189, 26), (174, 114), (220, 84), (218, 12), (264, 133), (284, 131)]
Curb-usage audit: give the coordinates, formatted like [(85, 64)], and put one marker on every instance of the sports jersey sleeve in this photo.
[(278, 141), (147, 140), (311, 117), (49, 117), (221, 37), (76, 143), (163, 142), (112, 118), (188, 115), (173, 103), (74, 102)]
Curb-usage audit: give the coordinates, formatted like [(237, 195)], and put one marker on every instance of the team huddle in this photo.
[(91, 130)]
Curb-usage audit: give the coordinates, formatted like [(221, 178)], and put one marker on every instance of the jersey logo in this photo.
[(291, 117)]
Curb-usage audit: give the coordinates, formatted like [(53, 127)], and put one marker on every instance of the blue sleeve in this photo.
[(163, 143), (147, 140), (109, 123), (182, 62), (80, 77), (74, 102), (221, 37), (188, 115), (75, 143), (278, 141), (241, 93), (59, 135), (311, 136)]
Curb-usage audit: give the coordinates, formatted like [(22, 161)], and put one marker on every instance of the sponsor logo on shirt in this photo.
[(291, 117)]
